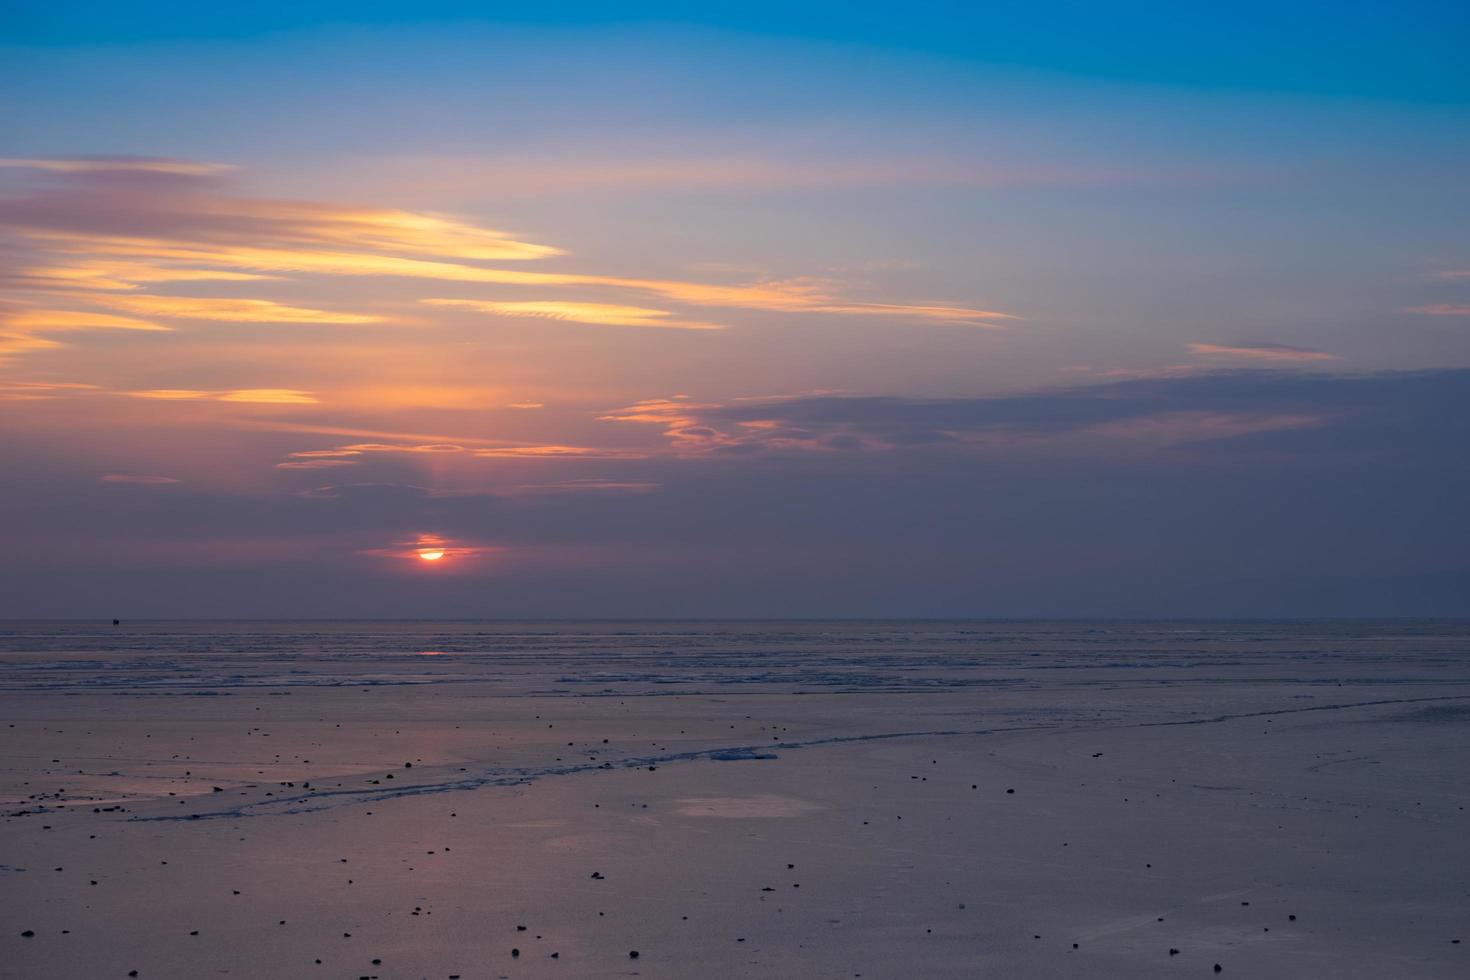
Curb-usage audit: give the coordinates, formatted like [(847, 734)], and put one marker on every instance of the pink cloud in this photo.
[(1441, 309), (1276, 353)]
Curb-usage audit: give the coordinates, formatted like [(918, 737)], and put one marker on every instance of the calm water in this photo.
[(962, 637), (659, 657)]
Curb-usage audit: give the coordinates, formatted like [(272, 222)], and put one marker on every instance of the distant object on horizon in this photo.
[(117, 622)]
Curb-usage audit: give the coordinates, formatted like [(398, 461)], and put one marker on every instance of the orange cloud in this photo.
[(253, 396), (556, 452), (21, 331), (390, 230), (791, 296), (15, 391), (52, 321), (269, 396), (681, 421), (314, 464), (605, 314), (189, 234), (232, 310), (353, 452), (377, 434), (103, 235), (121, 275)]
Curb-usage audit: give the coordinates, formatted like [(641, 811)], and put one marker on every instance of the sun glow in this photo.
[(431, 554)]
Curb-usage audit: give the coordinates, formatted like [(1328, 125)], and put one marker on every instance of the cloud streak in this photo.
[(118, 164), (100, 236), (1441, 309), (1174, 410), (605, 314), (250, 396), (1270, 353), (26, 330), (141, 481), (232, 310), (352, 453)]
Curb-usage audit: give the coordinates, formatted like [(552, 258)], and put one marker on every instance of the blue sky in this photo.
[(1390, 50)]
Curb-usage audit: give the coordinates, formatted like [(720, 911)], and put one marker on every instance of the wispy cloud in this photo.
[(252, 396), (358, 451), (99, 236), (119, 274), (588, 486), (1271, 353), (801, 295), (57, 321), (142, 481), (605, 314), (231, 310), (1441, 309), (25, 329), (40, 390), (118, 164), (557, 452), (1147, 412)]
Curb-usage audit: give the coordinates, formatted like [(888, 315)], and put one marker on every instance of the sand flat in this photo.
[(771, 800)]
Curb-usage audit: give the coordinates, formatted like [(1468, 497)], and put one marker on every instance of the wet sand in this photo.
[(726, 800)]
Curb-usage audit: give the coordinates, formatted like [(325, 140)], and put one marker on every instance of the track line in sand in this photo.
[(328, 799)]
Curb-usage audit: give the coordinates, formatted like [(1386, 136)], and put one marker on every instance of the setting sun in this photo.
[(431, 554)]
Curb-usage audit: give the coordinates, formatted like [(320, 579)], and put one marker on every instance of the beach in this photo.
[(738, 799)]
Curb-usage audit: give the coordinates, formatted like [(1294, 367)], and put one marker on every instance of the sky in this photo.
[(802, 310)]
